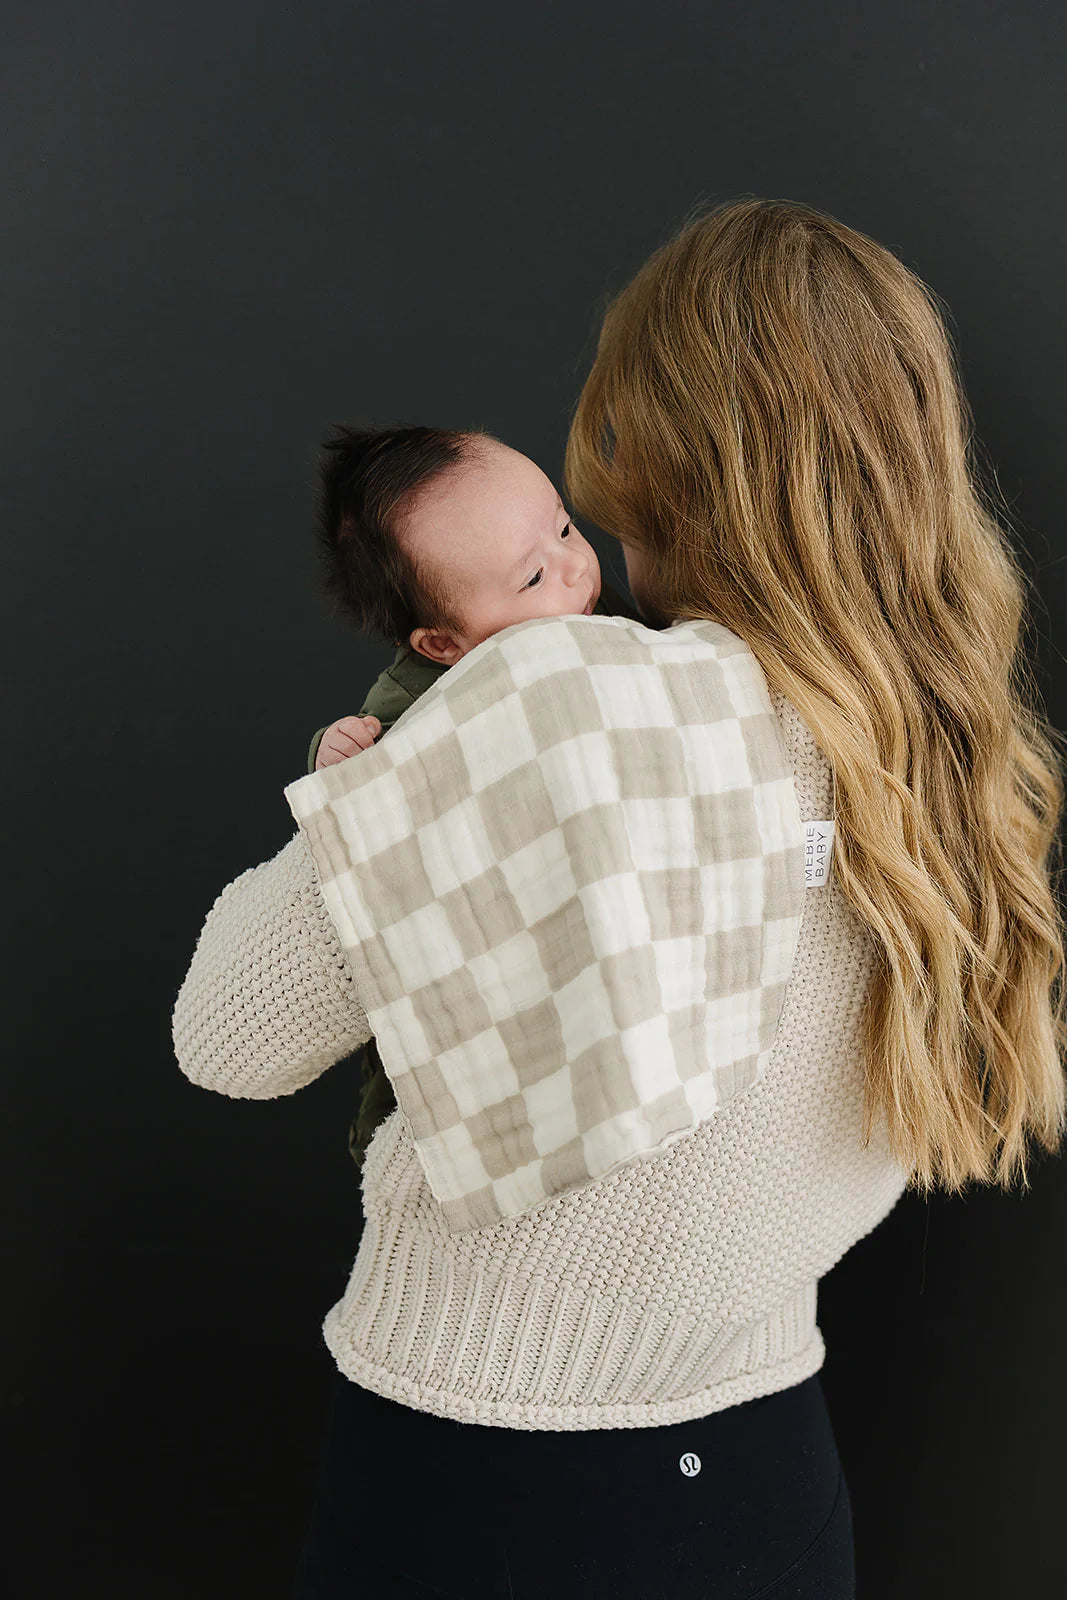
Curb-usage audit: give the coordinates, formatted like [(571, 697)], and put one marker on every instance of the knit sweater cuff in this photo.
[(269, 1000)]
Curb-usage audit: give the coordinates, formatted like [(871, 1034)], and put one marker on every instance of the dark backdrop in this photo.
[(224, 227)]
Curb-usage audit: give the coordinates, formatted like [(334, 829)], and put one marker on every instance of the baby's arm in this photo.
[(386, 700)]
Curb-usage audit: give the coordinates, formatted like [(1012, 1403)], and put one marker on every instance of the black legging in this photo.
[(746, 1502)]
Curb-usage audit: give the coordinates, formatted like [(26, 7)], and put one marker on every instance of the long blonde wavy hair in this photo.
[(774, 419)]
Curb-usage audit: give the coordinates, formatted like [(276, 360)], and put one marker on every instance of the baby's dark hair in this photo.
[(368, 478)]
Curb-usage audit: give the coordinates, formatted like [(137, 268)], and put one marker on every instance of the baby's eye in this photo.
[(563, 534)]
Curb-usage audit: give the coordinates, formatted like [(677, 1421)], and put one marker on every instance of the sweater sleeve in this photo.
[(269, 1001)]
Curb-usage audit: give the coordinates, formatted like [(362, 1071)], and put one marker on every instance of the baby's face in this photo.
[(499, 533)]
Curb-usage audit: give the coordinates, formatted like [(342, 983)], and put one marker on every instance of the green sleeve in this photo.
[(313, 748), (386, 699)]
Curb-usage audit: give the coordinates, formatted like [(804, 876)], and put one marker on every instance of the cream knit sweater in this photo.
[(672, 1288)]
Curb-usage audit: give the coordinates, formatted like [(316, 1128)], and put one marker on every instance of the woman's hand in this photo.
[(346, 737)]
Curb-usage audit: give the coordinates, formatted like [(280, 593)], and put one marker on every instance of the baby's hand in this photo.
[(346, 738)]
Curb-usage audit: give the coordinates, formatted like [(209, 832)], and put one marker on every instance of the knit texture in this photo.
[(670, 1289), (268, 1002)]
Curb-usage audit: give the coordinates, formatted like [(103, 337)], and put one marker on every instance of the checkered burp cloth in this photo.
[(569, 882)]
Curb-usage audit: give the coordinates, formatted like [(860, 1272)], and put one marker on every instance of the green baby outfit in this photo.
[(392, 692)]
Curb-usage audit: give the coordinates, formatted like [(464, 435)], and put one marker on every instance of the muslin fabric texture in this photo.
[(670, 1288), (395, 689), (569, 883)]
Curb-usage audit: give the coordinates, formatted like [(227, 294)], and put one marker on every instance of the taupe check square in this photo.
[(569, 881)]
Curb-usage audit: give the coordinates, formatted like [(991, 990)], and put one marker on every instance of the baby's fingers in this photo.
[(354, 733), (345, 738)]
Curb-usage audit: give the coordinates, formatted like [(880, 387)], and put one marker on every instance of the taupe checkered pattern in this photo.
[(570, 882)]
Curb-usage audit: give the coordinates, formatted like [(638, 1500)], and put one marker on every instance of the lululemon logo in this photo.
[(689, 1463)]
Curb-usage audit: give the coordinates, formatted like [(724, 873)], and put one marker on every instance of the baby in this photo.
[(441, 540), (435, 541)]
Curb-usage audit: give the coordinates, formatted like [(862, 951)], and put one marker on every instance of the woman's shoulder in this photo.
[(600, 675), (603, 635), (682, 655)]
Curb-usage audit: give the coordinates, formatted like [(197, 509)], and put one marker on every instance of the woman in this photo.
[(774, 430)]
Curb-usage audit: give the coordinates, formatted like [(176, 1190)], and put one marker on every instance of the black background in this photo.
[(224, 227)]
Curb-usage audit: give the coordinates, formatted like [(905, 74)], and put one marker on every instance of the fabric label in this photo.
[(818, 848)]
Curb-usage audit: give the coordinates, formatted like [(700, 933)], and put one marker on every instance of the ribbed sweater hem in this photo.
[(611, 1347), (716, 1397)]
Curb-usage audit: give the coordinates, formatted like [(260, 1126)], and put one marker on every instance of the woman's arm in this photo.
[(269, 1001)]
